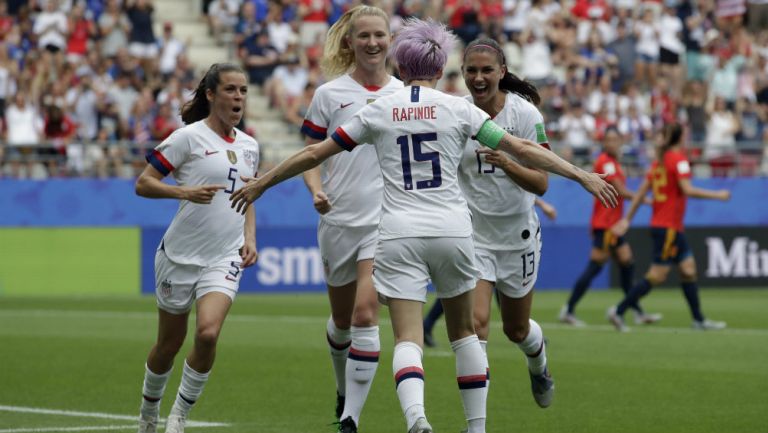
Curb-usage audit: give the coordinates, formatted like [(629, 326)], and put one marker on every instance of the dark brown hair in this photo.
[(198, 108)]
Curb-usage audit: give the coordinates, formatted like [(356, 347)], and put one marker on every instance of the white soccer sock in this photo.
[(362, 361), (484, 345), (190, 388), (471, 376), (409, 380), (533, 347), (154, 387), (338, 346)]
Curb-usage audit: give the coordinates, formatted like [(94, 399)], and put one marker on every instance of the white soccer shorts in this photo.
[(403, 267), (342, 247), (514, 271), (177, 286)]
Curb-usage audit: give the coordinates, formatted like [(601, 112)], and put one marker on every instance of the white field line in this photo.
[(73, 429), (247, 318), (100, 415)]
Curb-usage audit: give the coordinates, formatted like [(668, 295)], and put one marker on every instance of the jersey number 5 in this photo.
[(419, 156)]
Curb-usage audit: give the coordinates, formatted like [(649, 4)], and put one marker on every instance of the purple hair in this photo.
[(421, 48)]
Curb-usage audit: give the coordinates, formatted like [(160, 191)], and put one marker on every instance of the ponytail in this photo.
[(198, 108), (338, 56), (509, 82), (672, 133)]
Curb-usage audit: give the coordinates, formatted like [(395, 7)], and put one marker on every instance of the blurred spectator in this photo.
[(463, 16), (537, 59), (670, 44), (83, 101), (114, 27), (6, 20), (247, 24), (623, 49), (280, 31), (725, 78), (80, 30), (603, 97), (24, 130), (165, 122), (287, 83), (296, 109), (170, 50), (259, 58), (50, 28), (8, 72), (142, 42), (515, 17), (693, 103), (223, 17), (577, 128), (647, 48), (719, 147), (753, 124), (124, 97), (452, 84), (314, 21), (59, 131)]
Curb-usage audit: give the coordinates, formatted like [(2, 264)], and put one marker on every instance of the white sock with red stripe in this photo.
[(409, 380), (153, 390), (338, 346), (362, 361), (471, 376), (533, 347), (484, 345)]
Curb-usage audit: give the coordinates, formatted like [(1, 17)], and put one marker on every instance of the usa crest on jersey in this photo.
[(232, 156)]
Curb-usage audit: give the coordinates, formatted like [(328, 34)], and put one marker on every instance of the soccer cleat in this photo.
[(339, 405), (347, 425), (543, 388), (708, 325), (429, 340), (647, 318), (147, 425), (421, 426), (569, 318), (175, 423), (616, 320)]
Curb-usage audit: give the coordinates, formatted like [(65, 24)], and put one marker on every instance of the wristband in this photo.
[(490, 134)]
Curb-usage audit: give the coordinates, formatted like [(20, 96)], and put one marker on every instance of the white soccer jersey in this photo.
[(352, 180), (419, 135), (201, 234), (502, 210)]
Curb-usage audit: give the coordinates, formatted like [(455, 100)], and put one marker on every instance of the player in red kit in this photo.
[(604, 244), (669, 179)]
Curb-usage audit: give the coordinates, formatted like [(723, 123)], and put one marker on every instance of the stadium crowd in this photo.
[(86, 85)]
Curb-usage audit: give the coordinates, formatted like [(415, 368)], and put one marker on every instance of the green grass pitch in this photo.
[(76, 364)]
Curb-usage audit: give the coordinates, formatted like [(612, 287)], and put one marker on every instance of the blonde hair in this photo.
[(338, 57)]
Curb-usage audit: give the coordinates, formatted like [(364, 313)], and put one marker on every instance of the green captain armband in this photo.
[(490, 134)]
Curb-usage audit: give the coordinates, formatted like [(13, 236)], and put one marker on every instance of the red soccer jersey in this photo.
[(668, 198), (604, 217)]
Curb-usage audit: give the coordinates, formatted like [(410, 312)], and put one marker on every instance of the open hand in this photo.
[(602, 190), (247, 194)]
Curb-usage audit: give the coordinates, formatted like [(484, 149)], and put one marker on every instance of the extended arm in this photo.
[(621, 227), (303, 160), (530, 153), (248, 251), (694, 192)]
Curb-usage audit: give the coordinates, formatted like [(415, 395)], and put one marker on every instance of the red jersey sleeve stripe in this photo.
[(343, 140), (311, 130), (159, 162)]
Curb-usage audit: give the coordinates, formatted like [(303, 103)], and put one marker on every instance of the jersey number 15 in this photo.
[(419, 156)]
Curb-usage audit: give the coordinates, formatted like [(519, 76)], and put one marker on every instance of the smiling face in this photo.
[(369, 38), (228, 100), (482, 73)]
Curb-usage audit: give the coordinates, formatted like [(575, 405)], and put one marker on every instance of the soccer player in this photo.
[(425, 230), (347, 194), (205, 249), (669, 179), (604, 244), (436, 311), (501, 192)]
